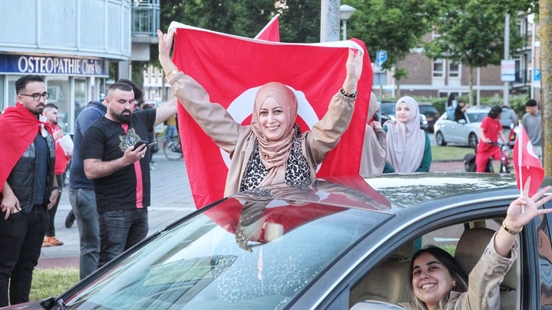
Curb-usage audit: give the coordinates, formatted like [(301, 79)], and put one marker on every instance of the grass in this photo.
[(439, 153), (52, 282)]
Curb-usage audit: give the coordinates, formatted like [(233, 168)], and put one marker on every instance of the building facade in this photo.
[(73, 44)]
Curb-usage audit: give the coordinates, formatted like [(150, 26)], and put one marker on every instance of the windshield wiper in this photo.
[(50, 303)]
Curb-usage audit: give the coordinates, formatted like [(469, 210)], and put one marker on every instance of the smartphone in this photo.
[(139, 143)]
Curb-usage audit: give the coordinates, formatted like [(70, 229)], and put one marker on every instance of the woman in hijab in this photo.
[(374, 149), (408, 146), (272, 149)]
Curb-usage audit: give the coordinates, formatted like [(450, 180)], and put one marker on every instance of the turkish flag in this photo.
[(232, 69), (271, 32), (527, 163)]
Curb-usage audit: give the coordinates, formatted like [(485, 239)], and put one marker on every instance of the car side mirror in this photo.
[(375, 305), (462, 121)]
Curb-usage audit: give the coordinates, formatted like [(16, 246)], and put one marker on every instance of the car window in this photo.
[(211, 262), (545, 260), (389, 281), (475, 117), (387, 108)]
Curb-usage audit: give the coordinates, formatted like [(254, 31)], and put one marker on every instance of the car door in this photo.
[(383, 256), (542, 246)]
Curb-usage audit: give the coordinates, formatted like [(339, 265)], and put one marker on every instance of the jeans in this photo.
[(21, 241), (120, 230), (51, 231), (83, 203), (170, 132)]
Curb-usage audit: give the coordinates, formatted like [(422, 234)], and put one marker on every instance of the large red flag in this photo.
[(233, 68), (271, 32), (527, 163)]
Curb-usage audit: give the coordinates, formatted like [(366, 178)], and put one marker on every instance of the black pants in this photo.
[(51, 231), (21, 238)]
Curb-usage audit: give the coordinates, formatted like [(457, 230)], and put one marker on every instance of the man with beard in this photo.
[(27, 185), (120, 171)]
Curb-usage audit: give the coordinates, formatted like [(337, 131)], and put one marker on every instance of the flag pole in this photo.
[(520, 147)]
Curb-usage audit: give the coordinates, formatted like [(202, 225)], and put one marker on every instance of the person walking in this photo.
[(120, 171), (531, 121), (28, 188), (50, 115)]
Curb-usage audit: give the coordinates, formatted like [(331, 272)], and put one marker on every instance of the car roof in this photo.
[(387, 193)]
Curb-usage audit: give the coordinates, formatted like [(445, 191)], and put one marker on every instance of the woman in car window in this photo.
[(408, 146), (437, 281), (272, 149)]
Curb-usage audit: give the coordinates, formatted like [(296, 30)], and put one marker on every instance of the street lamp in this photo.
[(345, 12)]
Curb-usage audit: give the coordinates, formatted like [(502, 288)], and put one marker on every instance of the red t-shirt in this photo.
[(491, 128)]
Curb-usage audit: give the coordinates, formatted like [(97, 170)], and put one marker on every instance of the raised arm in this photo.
[(325, 134), (520, 212)]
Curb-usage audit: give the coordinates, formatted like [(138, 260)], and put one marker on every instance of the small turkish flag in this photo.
[(527, 163), (232, 68), (271, 32)]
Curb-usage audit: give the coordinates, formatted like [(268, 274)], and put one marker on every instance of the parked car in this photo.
[(330, 244), (431, 114), (388, 113), (462, 132)]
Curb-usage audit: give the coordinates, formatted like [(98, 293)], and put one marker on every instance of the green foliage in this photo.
[(392, 25), (52, 282), (471, 34)]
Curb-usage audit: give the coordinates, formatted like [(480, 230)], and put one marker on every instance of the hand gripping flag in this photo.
[(527, 163), (232, 68), (271, 32)]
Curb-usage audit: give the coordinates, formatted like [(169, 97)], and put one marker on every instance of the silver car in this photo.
[(462, 132)]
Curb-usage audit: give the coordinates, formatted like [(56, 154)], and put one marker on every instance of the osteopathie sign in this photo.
[(49, 64)]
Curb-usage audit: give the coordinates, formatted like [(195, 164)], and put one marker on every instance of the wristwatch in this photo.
[(58, 188)]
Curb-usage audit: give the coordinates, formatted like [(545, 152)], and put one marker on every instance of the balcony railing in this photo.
[(145, 17)]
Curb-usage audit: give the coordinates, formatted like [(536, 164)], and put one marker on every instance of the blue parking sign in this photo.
[(537, 75), (381, 57)]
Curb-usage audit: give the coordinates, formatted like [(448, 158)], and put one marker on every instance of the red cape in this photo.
[(19, 128)]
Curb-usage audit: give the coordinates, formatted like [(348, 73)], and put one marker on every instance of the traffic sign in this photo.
[(381, 57), (508, 70), (537, 76)]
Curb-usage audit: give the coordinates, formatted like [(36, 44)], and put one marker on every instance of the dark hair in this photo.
[(494, 112), (138, 93), (22, 82), (531, 103), (121, 86), (50, 105), (449, 263)]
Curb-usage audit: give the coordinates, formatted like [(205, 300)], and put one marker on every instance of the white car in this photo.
[(463, 132)]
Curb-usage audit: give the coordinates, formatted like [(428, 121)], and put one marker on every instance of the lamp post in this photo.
[(345, 12)]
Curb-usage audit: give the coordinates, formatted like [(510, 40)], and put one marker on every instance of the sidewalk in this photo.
[(171, 199)]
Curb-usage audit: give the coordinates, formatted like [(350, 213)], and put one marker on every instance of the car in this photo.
[(387, 109), (463, 132), (333, 243), (431, 114)]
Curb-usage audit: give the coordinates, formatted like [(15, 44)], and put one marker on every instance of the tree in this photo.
[(471, 34), (396, 26), (545, 16)]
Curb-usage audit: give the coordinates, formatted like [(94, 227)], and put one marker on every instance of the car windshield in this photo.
[(476, 116), (239, 255)]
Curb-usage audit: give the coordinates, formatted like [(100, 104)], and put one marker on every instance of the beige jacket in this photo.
[(483, 282), (238, 140)]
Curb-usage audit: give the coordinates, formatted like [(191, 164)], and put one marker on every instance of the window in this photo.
[(454, 70), (438, 68)]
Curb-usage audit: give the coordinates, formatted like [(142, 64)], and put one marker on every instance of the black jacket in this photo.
[(22, 177)]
